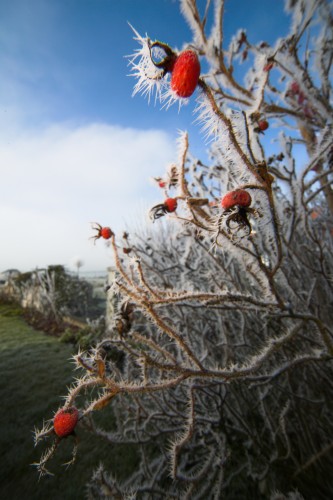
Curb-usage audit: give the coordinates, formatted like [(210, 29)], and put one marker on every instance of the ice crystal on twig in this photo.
[(150, 79)]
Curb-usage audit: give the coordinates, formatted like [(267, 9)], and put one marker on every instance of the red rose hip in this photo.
[(106, 233), (263, 125), (102, 232), (239, 197), (170, 204), (185, 73), (65, 421)]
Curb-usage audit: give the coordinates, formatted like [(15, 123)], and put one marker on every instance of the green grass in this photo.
[(34, 372)]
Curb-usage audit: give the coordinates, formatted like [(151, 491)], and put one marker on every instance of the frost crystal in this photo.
[(150, 78)]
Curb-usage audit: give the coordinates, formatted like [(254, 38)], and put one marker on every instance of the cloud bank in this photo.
[(57, 180)]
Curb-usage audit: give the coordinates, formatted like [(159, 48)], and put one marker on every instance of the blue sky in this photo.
[(75, 146)]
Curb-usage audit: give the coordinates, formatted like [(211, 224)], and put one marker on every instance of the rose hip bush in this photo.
[(224, 317)]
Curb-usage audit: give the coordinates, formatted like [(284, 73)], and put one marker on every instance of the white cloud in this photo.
[(56, 181)]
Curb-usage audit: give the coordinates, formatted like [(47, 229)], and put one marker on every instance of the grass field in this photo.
[(34, 373)]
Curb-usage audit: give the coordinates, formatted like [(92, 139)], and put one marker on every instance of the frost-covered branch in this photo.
[(217, 365)]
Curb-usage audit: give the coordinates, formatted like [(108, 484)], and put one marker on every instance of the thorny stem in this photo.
[(232, 81), (262, 182), (207, 91), (160, 323), (173, 334), (154, 346), (144, 282), (213, 298)]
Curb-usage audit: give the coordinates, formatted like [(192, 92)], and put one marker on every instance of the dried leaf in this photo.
[(102, 403), (101, 368)]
